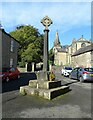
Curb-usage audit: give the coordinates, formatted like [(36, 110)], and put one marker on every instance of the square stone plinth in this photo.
[(33, 83), (52, 93), (45, 93), (44, 84), (42, 75)]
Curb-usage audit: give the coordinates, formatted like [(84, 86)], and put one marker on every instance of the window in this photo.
[(83, 45), (11, 62), (75, 69), (12, 69), (12, 45), (76, 46), (89, 69), (80, 69), (68, 68)]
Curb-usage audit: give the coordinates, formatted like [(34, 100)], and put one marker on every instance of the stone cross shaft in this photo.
[(45, 58), (46, 21)]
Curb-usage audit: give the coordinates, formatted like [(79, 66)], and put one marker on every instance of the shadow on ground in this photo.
[(71, 83), (24, 80), (15, 84)]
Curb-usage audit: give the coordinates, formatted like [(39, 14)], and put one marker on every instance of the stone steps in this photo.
[(44, 84), (44, 88), (45, 93)]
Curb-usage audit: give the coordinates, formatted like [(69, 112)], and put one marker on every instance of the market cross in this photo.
[(42, 86), (46, 21)]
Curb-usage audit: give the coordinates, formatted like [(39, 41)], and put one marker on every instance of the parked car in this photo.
[(66, 71), (82, 74), (9, 73)]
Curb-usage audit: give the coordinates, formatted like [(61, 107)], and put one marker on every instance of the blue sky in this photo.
[(70, 19)]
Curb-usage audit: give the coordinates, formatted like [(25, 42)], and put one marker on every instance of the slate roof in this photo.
[(83, 50), (8, 35), (61, 50)]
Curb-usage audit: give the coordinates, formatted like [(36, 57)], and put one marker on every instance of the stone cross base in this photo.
[(45, 89), (42, 75), (44, 84)]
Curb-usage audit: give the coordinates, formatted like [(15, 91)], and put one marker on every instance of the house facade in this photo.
[(9, 49), (79, 53), (83, 57)]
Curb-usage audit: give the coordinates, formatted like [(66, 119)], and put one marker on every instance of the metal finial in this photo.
[(82, 36)]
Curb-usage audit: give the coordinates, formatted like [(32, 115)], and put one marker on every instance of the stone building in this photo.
[(75, 46), (9, 49), (73, 54), (60, 53), (83, 57)]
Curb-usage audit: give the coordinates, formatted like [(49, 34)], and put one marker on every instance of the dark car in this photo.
[(82, 74), (9, 73)]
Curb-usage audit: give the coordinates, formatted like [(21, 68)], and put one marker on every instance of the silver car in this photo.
[(82, 74)]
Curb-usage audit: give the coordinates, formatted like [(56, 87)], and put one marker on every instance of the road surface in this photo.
[(74, 104)]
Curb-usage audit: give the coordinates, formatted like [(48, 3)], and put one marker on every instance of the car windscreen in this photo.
[(68, 68), (88, 69)]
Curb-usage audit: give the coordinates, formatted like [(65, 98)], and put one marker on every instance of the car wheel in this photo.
[(70, 76), (81, 80), (7, 79)]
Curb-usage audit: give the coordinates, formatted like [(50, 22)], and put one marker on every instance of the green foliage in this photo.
[(21, 64), (31, 53), (31, 43)]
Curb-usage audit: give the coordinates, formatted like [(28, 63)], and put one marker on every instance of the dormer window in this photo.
[(83, 45), (12, 46)]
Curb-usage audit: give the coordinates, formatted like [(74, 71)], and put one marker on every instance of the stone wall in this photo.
[(92, 58), (82, 60), (61, 58)]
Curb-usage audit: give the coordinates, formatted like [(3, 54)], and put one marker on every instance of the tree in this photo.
[(31, 43), (31, 54)]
